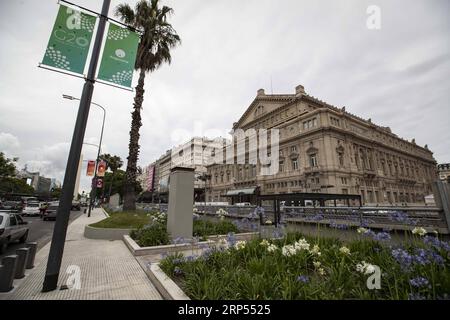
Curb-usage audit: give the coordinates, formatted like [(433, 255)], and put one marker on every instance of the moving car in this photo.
[(12, 228), (51, 212), (31, 209)]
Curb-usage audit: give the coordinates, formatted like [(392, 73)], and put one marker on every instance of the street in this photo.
[(40, 232)]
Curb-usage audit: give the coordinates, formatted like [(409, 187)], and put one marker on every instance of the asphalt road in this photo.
[(39, 231)]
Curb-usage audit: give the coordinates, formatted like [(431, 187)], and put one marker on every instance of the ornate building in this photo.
[(326, 149)]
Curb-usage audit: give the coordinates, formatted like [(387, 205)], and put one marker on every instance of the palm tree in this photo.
[(113, 163), (158, 38)]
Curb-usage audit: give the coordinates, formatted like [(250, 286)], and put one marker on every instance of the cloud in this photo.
[(9, 144)]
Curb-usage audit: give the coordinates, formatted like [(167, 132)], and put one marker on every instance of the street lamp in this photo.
[(94, 184)]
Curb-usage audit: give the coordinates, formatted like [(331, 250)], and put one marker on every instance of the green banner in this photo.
[(119, 56), (69, 43)]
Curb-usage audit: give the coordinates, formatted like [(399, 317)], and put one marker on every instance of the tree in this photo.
[(117, 184), (113, 163), (7, 166), (9, 183), (158, 38)]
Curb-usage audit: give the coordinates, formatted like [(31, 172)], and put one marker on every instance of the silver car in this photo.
[(51, 212), (12, 228)]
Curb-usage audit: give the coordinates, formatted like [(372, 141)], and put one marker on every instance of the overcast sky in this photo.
[(398, 76)]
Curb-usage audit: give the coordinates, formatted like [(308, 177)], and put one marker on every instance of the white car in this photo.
[(31, 209)]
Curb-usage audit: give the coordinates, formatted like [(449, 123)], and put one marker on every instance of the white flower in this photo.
[(288, 250), (317, 264), (268, 222), (264, 243), (301, 244), (321, 271), (362, 230), (315, 250), (420, 231), (365, 267), (272, 248), (239, 245), (222, 218), (344, 250), (223, 242)]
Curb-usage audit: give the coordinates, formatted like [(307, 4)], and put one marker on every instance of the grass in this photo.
[(251, 271), (124, 220)]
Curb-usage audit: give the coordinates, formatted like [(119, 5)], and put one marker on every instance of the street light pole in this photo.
[(94, 180), (62, 222)]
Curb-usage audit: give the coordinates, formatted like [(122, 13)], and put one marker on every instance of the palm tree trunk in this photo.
[(129, 202)]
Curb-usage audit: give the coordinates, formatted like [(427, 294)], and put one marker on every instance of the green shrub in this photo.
[(151, 235), (203, 228)]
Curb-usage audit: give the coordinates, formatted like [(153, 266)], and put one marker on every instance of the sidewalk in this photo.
[(108, 270)]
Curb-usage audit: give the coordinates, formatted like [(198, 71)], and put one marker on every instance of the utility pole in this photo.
[(60, 229)]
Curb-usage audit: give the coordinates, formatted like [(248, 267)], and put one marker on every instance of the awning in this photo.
[(238, 192)]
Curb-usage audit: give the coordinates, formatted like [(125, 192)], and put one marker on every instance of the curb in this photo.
[(136, 250), (168, 289)]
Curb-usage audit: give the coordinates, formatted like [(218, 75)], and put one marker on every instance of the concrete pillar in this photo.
[(7, 272), (31, 255), (22, 257), (181, 197)]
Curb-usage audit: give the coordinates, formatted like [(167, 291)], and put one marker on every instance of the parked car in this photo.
[(243, 204), (11, 205), (12, 228), (31, 209), (76, 206), (51, 212)]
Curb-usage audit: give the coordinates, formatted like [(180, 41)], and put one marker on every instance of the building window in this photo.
[(313, 160), (281, 166), (281, 153), (294, 149), (295, 164)]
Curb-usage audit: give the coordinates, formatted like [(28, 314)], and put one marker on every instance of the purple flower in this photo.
[(436, 243), (382, 236), (231, 238), (191, 258), (177, 260), (421, 257), (415, 296), (402, 257), (419, 282), (303, 278)]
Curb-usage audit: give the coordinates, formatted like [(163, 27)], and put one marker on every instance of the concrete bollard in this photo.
[(7, 273), (31, 255), (22, 256)]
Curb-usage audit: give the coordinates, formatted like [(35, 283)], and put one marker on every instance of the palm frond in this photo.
[(125, 13)]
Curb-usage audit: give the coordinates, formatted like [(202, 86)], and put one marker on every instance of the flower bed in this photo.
[(298, 267), (155, 233)]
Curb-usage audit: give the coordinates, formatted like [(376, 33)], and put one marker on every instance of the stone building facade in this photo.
[(326, 149), (444, 171)]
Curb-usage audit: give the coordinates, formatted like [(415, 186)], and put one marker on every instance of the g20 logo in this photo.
[(71, 38), (73, 22)]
